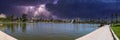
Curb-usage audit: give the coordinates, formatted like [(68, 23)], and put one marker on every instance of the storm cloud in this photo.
[(66, 8)]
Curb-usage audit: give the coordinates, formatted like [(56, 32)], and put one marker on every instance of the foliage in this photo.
[(116, 29), (24, 17)]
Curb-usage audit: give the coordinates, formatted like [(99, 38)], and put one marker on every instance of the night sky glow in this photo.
[(36, 11), (60, 8)]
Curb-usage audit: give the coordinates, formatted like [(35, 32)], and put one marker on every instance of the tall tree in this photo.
[(24, 17), (10, 17), (115, 16)]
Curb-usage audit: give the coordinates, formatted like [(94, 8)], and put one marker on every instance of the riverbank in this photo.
[(56, 21), (49, 22)]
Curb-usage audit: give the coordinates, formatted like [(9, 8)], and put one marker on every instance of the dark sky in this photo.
[(66, 8)]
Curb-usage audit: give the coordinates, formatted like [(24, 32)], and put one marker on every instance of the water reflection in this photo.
[(13, 27), (23, 27), (47, 31)]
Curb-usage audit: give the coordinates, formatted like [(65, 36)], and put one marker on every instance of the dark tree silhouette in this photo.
[(115, 16), (24, 17)]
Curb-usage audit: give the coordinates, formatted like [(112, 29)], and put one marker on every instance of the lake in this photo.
[(47, 31)]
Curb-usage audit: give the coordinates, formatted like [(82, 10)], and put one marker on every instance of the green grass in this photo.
[(116, 29)]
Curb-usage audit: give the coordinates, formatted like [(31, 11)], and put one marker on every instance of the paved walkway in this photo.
[(4, 36), (102, 33)]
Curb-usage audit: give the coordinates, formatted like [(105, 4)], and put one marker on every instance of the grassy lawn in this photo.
[(116, 29)]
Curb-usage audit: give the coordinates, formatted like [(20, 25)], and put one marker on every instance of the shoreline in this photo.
[(50, 22)]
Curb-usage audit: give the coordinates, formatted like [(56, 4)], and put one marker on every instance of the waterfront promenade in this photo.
[(102, 33), (4, 36)]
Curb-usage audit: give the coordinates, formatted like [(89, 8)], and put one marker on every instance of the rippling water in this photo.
[(47, 31)]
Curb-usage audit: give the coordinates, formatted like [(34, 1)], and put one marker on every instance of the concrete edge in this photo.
[(6, 35), (114, 35), (88, 33)]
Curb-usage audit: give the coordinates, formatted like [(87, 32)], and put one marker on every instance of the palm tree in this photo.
[(115, 15)]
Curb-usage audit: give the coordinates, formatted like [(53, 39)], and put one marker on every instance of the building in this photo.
[(2, 15)]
